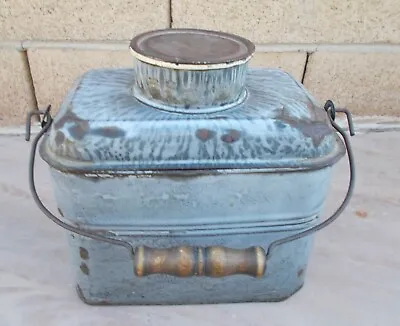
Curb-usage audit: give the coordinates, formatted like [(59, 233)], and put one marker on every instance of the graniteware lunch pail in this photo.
[(190, 178)]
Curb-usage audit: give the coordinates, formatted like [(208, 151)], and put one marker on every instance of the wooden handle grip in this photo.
[(195, 261)]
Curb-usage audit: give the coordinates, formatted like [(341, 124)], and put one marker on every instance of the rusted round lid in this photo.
[(191, 49)]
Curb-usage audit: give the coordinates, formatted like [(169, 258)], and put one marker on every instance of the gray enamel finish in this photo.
[(110, 278), (183, 204), (102, 126), (236, 210), (163, 179), (190, 91)]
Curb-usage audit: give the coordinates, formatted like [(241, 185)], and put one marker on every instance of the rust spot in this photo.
[(318, 113), (84, 268), (79, 130), (361, 214), (60, 211), (316, 130), (67, 117), (109, 132), (300, 272), (204, 134), (155, 93), (60, 137), (83, 253), (231, 136)]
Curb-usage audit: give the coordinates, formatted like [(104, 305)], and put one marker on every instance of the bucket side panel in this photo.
[(169, 201), (104, 273)]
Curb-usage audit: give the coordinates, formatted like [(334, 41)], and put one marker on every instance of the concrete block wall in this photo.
[(345, 50)]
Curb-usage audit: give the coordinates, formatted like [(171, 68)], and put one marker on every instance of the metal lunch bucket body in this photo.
[(191, 178)]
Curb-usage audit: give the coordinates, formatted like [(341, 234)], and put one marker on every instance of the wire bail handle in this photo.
[(47, 120)]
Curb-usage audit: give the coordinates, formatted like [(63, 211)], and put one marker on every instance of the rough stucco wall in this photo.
[(345, 50)]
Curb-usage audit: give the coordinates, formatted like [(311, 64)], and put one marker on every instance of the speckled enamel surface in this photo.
[(190, 91), (102, 126)]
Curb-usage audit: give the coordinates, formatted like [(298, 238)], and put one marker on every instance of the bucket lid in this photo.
[(190, 70), (102, 127), (191, 49)]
